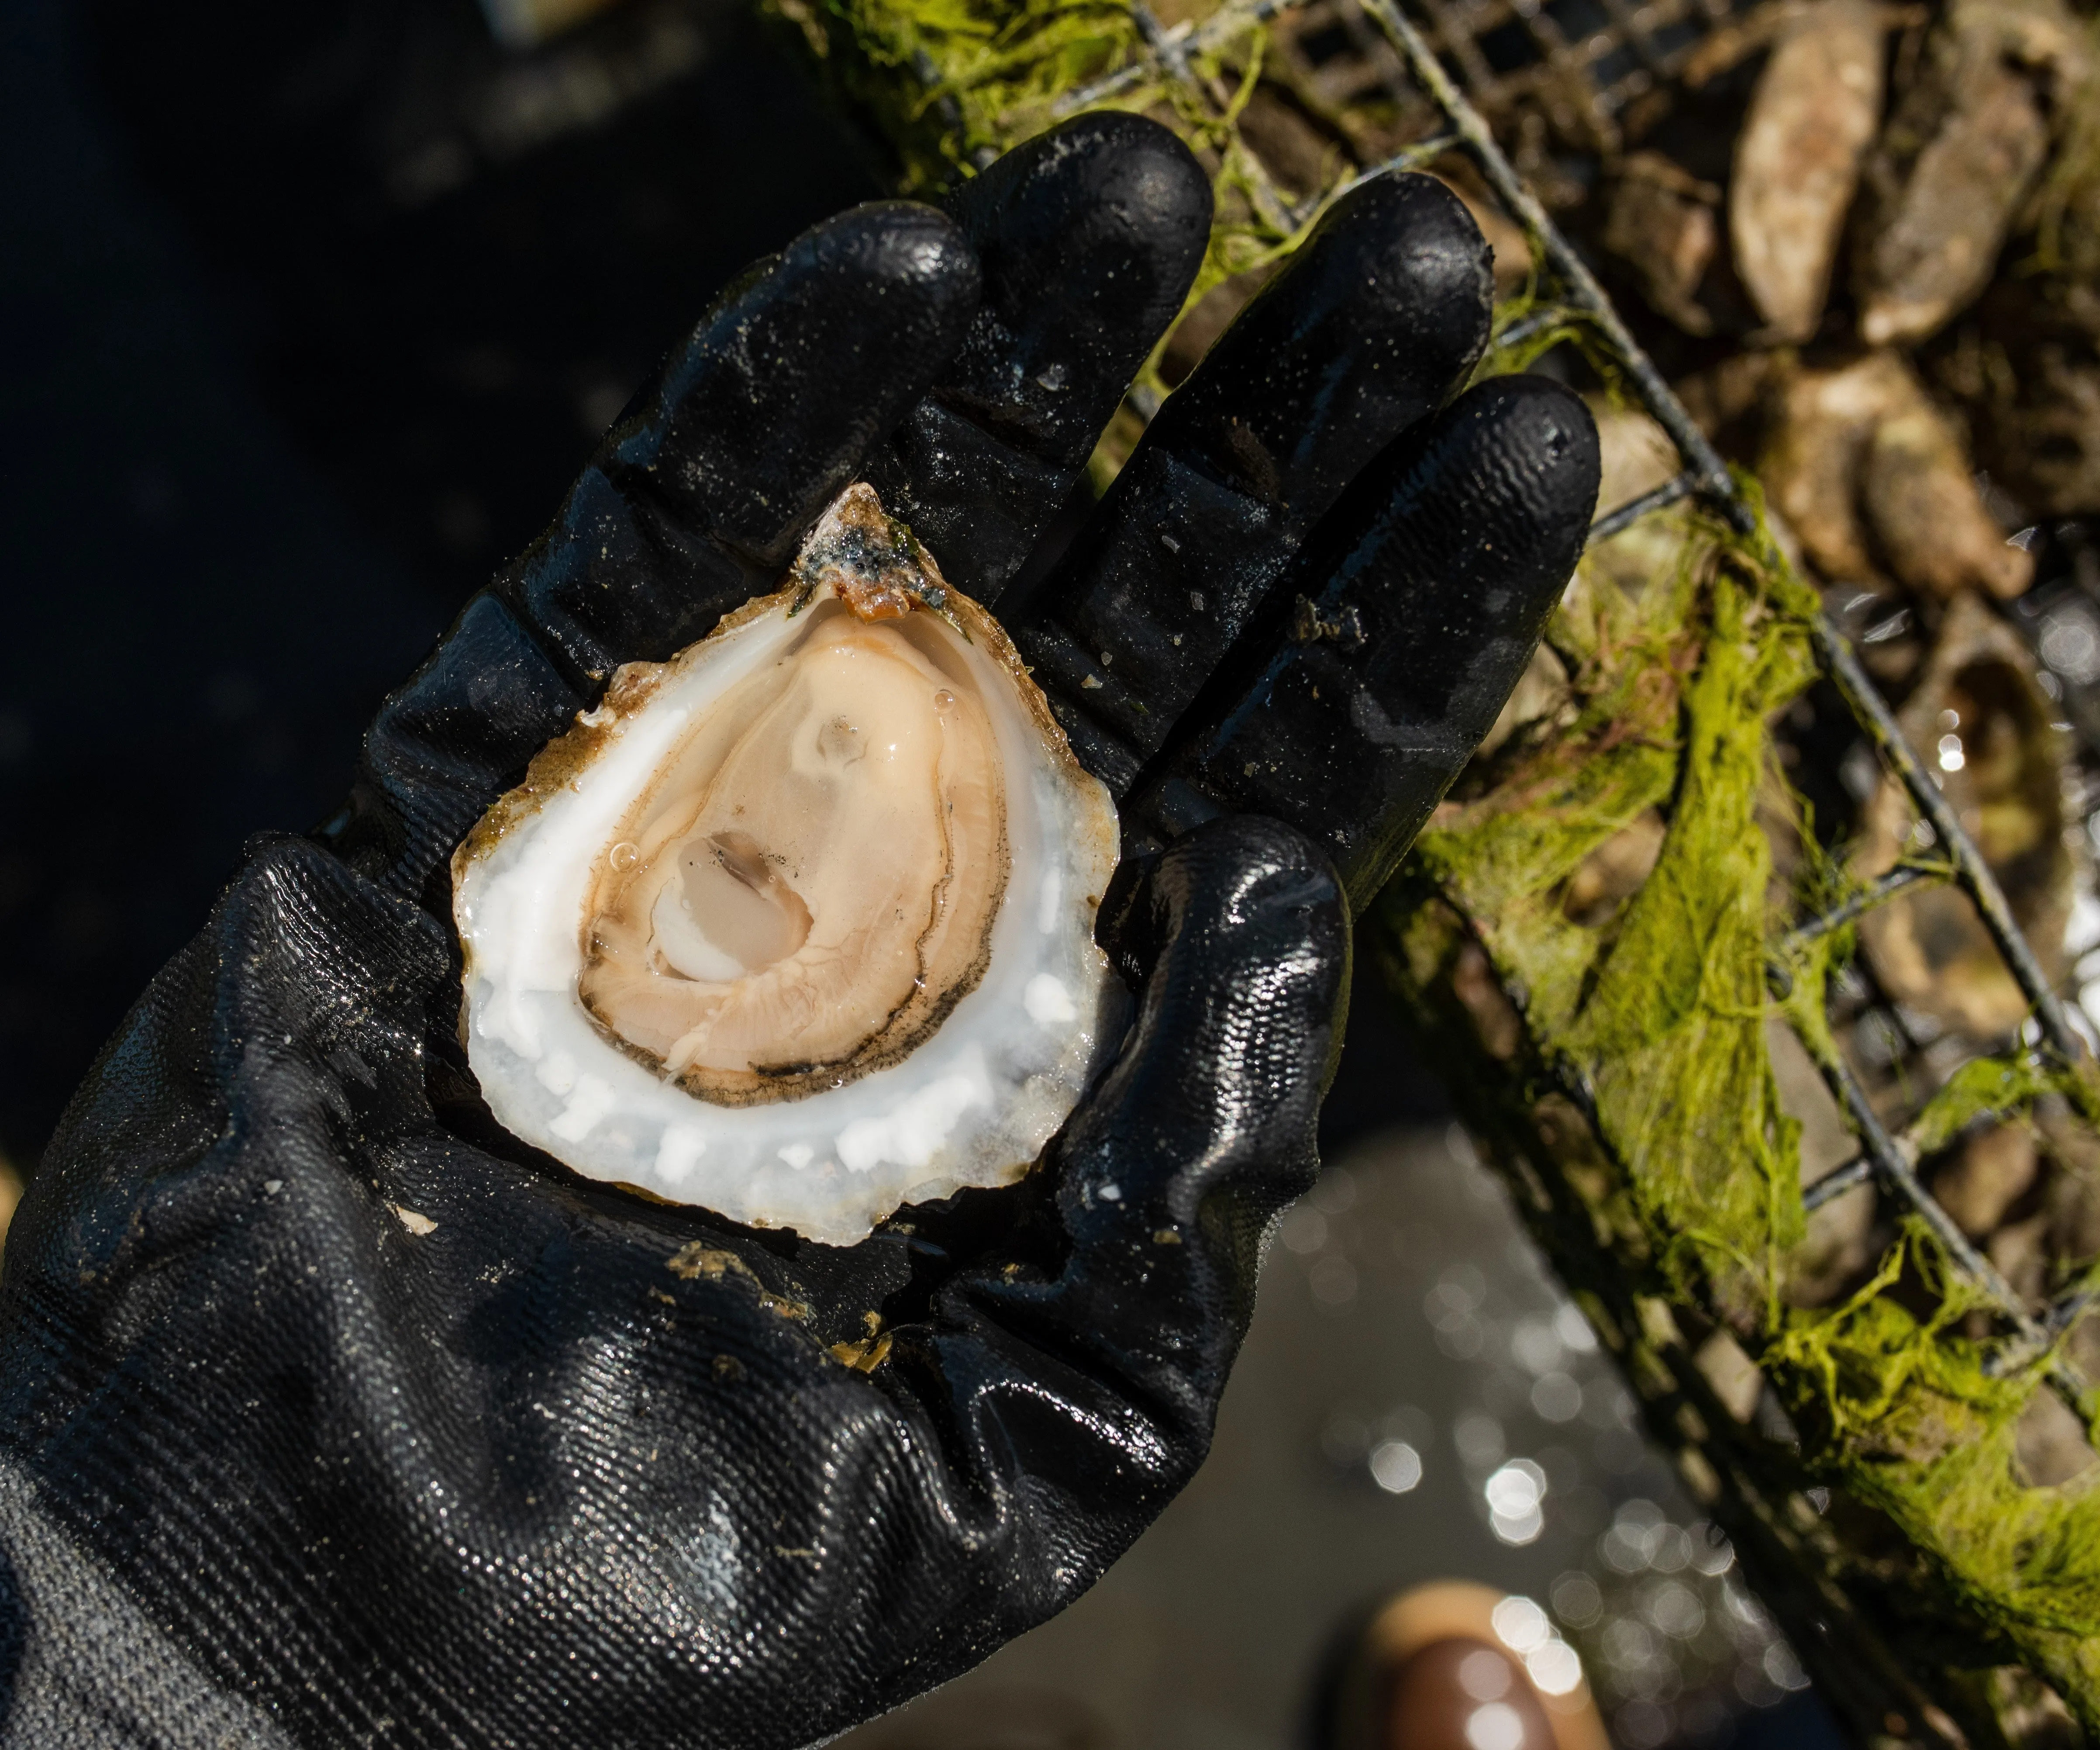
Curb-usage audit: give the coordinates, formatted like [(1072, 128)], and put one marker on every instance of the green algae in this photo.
[(1654, 1020), (1986, 1088), (1661, 1017), (1916, 1424), (943, 86)]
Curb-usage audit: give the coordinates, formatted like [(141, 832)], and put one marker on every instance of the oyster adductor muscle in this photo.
[(798, 925)]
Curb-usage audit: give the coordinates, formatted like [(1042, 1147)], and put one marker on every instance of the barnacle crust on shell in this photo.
[(799, 924)]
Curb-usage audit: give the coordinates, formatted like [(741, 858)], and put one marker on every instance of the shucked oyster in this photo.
[(799, 924)]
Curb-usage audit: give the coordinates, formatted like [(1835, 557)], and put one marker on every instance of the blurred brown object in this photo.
[(1958, 159), (1989, 1173), (2025, 367), (1926, 514), (1979, 722), (1638, 456), (1820, 424), (1614, 871), (1662, 224), (11, 1195), (2048, 435), (1458, 1692), (1873, 480), (1727, 399), (1433, 1657), (2073, 1200), (1798, 159)]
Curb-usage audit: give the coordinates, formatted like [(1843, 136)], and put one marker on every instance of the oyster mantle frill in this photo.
[(797, 926)]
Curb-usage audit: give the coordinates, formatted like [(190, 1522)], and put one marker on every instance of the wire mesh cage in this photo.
[(1628, 936)]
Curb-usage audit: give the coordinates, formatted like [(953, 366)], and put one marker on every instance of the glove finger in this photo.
[(1372, 326), (1410, 615), (1167, 1177), (1089, 236), (693, 503), (1237, 935), (758, 419)]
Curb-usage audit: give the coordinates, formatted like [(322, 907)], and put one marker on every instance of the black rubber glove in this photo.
[(331, 1415)]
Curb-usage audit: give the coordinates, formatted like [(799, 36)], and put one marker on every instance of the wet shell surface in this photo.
[(798, 925)]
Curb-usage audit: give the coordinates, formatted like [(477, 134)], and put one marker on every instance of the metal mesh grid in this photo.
[(1465, 62)]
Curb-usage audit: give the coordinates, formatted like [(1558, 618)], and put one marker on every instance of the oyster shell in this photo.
[(1978, 718), (799, 924)]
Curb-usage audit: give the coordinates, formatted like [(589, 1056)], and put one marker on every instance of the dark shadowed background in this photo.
[(308, 313)]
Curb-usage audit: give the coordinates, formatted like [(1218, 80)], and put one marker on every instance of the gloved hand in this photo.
[(332, 1415)]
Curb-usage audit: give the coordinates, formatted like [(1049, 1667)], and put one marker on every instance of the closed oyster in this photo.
[(1798, 159), (799, 924)]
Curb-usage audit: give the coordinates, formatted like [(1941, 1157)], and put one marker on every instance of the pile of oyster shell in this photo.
[(1861, 239), (798, 925)]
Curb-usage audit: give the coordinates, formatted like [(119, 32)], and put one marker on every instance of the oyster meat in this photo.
[(798, 925)]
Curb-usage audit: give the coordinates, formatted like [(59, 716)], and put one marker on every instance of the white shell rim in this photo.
[(972, 1106)]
